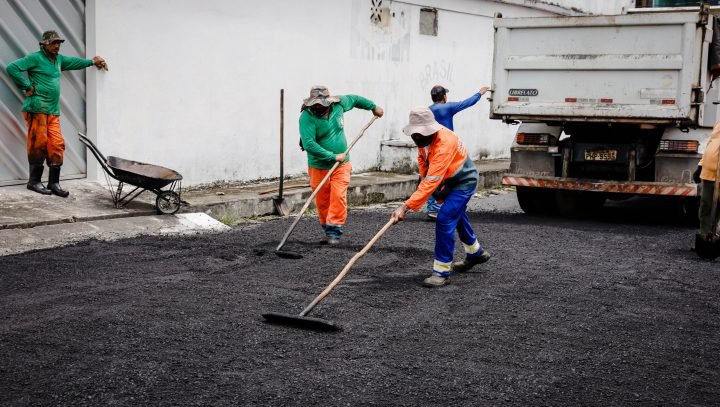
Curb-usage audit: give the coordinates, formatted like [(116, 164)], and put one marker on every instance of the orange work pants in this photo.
[(331, 200), (44, 140)]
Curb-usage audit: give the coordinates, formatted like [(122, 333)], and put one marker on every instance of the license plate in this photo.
[(600, 155)]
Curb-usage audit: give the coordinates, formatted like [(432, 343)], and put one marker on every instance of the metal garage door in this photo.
[(21, 25)]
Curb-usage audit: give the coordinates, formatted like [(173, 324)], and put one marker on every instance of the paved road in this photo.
[(613, 310)]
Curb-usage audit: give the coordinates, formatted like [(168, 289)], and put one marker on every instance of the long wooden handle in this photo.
[(347, 268), (304, 208), (320, 185)]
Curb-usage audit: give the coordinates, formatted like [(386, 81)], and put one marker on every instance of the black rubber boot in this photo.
[(34, 182), (54, 182)]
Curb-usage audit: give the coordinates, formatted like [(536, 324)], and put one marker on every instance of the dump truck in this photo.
[(607, 107)]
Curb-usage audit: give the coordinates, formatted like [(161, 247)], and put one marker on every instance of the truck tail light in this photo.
[(685, 146), (525, 138)]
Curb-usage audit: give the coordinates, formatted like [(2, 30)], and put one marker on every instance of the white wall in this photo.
[(194, 86)]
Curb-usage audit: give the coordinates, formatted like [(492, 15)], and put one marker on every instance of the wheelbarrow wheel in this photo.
[(168, 202)]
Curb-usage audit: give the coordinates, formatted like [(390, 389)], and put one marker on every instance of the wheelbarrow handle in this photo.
[(92, 147), (98, 155), (320, 185)]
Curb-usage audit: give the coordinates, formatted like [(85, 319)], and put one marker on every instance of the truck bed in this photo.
[(645, 67)]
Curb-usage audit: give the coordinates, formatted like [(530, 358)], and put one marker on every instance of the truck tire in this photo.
[(536, 201)]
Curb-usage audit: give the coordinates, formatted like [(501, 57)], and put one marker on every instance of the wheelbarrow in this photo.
[(143, 177)]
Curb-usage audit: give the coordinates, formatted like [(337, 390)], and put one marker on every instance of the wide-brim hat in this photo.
[(320, 94), (422, 121), (49, 37)]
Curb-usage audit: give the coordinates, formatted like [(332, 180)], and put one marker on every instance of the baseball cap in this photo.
[(438, 91)]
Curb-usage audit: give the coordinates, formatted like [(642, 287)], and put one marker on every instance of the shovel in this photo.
[(292, 255), (708, 247), (302, 320), (281, 207)]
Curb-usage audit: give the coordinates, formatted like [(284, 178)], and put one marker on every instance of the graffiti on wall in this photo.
[(437, 72)]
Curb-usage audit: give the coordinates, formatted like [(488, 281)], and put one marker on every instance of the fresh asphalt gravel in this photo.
[(612, 309)]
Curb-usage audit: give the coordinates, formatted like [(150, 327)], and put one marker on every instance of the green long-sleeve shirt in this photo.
[(322, 137), (45, 76)]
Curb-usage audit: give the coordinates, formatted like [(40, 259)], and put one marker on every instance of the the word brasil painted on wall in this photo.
[(437, 72)]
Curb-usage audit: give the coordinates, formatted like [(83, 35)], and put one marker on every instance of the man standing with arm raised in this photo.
[(41, 109)]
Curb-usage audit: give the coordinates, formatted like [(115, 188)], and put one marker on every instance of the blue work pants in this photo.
[(451, 217)]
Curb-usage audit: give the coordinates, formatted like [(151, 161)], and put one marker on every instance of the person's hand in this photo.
[(31, 91), (483, 90), (378, 111), (696, 174), (340, 157), (99, 63), (399, 213)]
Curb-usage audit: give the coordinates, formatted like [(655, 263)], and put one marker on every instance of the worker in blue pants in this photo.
[(447, 172)]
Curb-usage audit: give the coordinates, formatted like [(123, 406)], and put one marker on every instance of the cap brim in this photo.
[(425, 130), (321, 101)]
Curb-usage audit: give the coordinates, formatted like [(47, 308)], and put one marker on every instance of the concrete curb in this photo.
[(364, 189), (15, 241)]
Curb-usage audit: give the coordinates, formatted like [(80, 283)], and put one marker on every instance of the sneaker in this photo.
[(436, 281), (333, 240), (470, 261), (431, 216)]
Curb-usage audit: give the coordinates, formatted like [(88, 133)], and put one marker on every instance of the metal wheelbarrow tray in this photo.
[(144, 177)]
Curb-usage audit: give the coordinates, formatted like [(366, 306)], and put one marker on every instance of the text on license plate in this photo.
[(600, 155)]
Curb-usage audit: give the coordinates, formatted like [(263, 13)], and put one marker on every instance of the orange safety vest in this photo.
[(438, 162)]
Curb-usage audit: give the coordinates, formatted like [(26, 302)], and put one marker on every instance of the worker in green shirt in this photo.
[(41, 109), (322, 136)]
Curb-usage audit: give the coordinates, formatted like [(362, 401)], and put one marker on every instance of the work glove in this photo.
[(696, 174)]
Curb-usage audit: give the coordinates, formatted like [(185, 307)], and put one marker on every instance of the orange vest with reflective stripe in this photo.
[(443, 160)]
